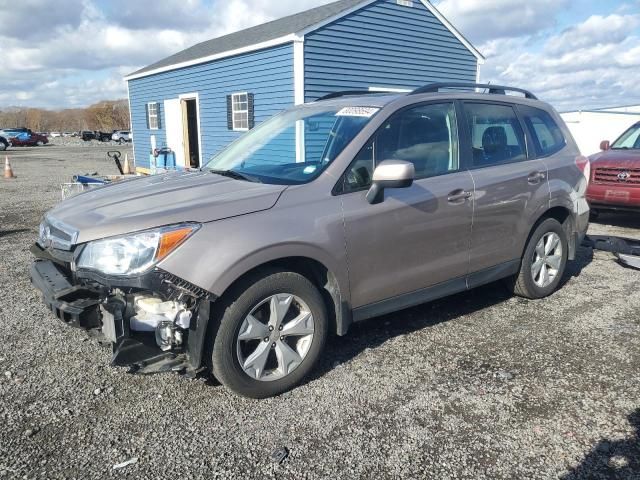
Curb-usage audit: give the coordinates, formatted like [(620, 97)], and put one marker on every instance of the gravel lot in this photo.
[(480, 385)]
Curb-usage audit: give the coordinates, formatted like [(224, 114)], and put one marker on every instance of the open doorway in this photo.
[(191, 136)]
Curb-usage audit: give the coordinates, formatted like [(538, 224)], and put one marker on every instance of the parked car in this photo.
[(103, 136), (615, 184), (121, 136), (87, 135), (247, 266), (55, 134), (27, 139)]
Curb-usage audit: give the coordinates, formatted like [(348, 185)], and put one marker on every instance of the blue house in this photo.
[(199, 100)]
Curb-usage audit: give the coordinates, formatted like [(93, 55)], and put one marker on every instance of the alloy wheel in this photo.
[(547, 260), (275, 337)]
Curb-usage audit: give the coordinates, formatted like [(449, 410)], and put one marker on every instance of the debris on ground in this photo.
[(131, 461)]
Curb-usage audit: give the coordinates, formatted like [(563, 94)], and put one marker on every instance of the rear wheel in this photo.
[(543, 262), (272, 332), (4, 146)]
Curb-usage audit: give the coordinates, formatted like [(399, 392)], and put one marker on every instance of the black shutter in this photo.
[(146, 114), (159, 116), (252, 111), (229, 112)]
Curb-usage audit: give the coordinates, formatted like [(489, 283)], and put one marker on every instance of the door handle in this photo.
[(459, 196), (536, 177)]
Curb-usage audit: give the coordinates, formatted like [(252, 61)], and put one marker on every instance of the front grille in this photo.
[(617, 176), (55, 234)]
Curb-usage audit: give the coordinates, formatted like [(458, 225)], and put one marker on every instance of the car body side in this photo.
[(306, 227)]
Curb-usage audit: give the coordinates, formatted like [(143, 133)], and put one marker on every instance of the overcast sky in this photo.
[(572, 53)]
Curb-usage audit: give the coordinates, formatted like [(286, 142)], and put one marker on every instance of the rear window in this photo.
[(545, 132)]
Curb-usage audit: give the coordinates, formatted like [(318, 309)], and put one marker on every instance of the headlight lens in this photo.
[(135, 253)]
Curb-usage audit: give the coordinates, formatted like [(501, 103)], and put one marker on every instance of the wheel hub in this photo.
[(547, 260), (275, 337)]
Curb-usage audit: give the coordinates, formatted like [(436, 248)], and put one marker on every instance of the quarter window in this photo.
[(426, 136), (152, 116), (496, 134), (545, 132), (240, 111)]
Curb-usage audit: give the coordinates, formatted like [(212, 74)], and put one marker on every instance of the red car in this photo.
[(615, 174), (28, 139)]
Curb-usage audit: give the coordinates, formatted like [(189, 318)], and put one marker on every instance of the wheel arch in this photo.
[(327, 282), (564, 216)]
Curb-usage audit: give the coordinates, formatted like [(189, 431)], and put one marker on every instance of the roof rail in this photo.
[(350, 92), (493, 89)]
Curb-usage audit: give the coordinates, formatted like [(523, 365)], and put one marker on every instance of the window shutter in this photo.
[(146, 115), (159, 116), (251, 110), (229, 113)]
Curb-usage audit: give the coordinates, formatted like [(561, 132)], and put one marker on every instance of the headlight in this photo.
[(135, 253)]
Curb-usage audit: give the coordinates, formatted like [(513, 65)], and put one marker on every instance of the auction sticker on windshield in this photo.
[(357, 112)]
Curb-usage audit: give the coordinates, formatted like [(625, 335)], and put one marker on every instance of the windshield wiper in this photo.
[(235, 175)]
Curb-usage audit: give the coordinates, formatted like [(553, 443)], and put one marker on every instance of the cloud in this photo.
[(490, 19), (38, 19), (587, 65)]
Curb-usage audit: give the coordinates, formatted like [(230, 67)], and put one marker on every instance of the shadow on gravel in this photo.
[(612, 460), (6, 233), (622, 220), (376, 331)]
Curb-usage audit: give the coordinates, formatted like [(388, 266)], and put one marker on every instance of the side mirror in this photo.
[(390, 174), (605, 145)]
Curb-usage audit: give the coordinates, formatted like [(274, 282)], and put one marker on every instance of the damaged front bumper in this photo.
[(155, 323)]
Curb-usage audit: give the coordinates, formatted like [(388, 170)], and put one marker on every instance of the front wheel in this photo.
[(272, 332), (543, 262), (4, 146)]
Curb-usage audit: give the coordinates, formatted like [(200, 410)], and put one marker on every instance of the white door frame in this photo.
[(194, 96), (173, 118)]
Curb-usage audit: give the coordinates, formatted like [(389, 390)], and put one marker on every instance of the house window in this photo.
[(152, 116), (240, 111)]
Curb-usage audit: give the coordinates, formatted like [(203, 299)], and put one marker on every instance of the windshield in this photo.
[(293, 147), (629, 139)]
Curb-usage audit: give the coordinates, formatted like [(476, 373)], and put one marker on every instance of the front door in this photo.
[(418, 237), (174, 128), (510, 187)]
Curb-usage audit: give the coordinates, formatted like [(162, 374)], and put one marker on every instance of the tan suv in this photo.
[(329, 213)]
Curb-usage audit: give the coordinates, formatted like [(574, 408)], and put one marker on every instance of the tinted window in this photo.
[(495, 133), (545, 132), (425, 136)]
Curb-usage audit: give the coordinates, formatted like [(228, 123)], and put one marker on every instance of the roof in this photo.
[(282, 30)]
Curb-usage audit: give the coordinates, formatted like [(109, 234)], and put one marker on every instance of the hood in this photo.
[(616, 158), (154, 201)]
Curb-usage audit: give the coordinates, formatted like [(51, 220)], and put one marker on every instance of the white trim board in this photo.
[(299, 37), (195, 96)]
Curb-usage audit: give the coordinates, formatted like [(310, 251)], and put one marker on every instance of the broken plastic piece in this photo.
[(280, 454)]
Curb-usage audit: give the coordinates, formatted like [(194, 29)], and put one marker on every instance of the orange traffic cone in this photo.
[(8, 171)]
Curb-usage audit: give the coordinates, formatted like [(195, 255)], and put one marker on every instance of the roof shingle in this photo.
[(255, 35)]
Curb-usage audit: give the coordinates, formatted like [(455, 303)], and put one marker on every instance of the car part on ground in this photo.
[(627, 250), (404, 199)]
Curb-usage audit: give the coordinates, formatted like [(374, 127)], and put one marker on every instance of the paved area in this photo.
[(479, 385)]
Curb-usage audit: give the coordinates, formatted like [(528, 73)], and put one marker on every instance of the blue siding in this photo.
[(384, 45), (267, 73)]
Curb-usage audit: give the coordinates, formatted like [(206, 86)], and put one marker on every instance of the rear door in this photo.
[(419, 236), (510, 185)]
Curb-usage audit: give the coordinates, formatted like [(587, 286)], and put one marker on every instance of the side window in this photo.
[(545, 132), (426, 136), (496, 134)]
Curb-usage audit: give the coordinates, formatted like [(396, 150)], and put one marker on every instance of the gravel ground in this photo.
[(479, 385)]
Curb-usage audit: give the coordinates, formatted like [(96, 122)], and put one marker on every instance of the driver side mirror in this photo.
[(390, 174), (605, 145)]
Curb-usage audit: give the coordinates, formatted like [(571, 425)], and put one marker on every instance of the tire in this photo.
[(4, 146), (121, 141), (39, 143), (255, 296), (528, 283)]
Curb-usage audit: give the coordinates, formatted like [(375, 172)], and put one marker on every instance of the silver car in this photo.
[(327, 214)]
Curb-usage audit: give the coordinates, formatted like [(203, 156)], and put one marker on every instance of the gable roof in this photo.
[(282, 30)]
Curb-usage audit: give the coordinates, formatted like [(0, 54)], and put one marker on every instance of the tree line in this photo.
[(105, 116)]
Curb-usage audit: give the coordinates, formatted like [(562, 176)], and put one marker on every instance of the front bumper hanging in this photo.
[(97, 308)]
